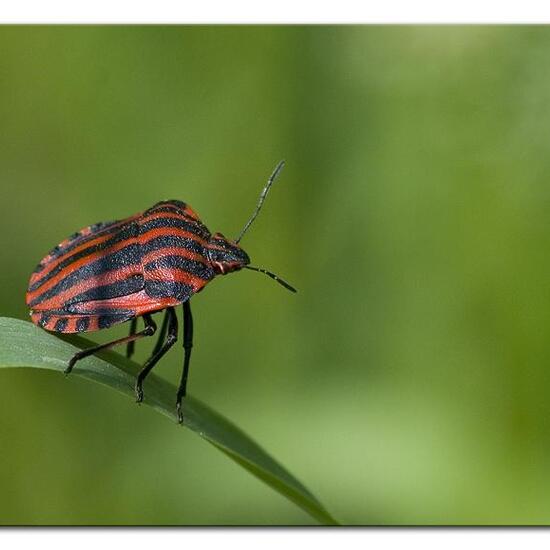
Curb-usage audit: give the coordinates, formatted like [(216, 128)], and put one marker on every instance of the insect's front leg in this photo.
[(187, 345)]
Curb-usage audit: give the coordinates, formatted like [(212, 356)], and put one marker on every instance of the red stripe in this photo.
[(110, 277), (183, 252), (131, 301), (75, 265), (154, 233), (156, 215), (177, 276), (50, 262), (71, 325)]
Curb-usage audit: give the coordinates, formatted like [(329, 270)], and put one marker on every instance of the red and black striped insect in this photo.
[(112, 272)]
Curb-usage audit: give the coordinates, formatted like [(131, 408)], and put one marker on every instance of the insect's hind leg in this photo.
[(171, 321), (162, 332), (187, 346), (149, 330)]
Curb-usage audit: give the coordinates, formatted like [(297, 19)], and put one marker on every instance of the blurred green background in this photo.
[(408, 380)]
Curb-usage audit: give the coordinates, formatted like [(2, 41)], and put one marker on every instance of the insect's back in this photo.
[(174, 252), (110, 272)]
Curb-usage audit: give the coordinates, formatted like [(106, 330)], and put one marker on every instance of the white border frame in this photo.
[(278, 12)]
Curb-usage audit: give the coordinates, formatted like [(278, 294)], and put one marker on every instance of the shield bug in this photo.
[(113, 272)]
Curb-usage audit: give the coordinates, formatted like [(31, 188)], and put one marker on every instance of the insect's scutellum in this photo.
[(112, 272)]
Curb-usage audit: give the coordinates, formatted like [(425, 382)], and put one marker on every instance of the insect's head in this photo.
[(226, 255)]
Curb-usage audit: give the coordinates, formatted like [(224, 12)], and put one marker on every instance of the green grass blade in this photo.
[(24, 345)]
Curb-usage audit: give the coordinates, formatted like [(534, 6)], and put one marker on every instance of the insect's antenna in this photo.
[(263, 195), (273, 276)]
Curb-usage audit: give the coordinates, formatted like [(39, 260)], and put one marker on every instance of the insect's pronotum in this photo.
[(118, 271)]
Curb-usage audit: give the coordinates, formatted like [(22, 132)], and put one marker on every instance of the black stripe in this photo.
[(127, 256), (105, 292), (197, 269), (100, 226), (164, 209), (117, 312), (222, 243), (173, 204), (187, 224), (44, 318), (61, 324), (106, 321), (74, 236), (168, 241), (40, 267), (168, 289), (55, 251), (82, 324), (125, 232), (130, 231), (76, 239)]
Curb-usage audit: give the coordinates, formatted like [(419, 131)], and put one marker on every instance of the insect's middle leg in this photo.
[(149, 330), (172, 322), (160, 340), (162, 333)]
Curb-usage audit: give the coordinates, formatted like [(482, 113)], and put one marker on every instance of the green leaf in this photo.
[(24, 345)]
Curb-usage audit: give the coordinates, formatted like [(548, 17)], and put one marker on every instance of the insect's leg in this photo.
[(162, 333), (187, 345), (153, 360), (131, 346), (149, 330)]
